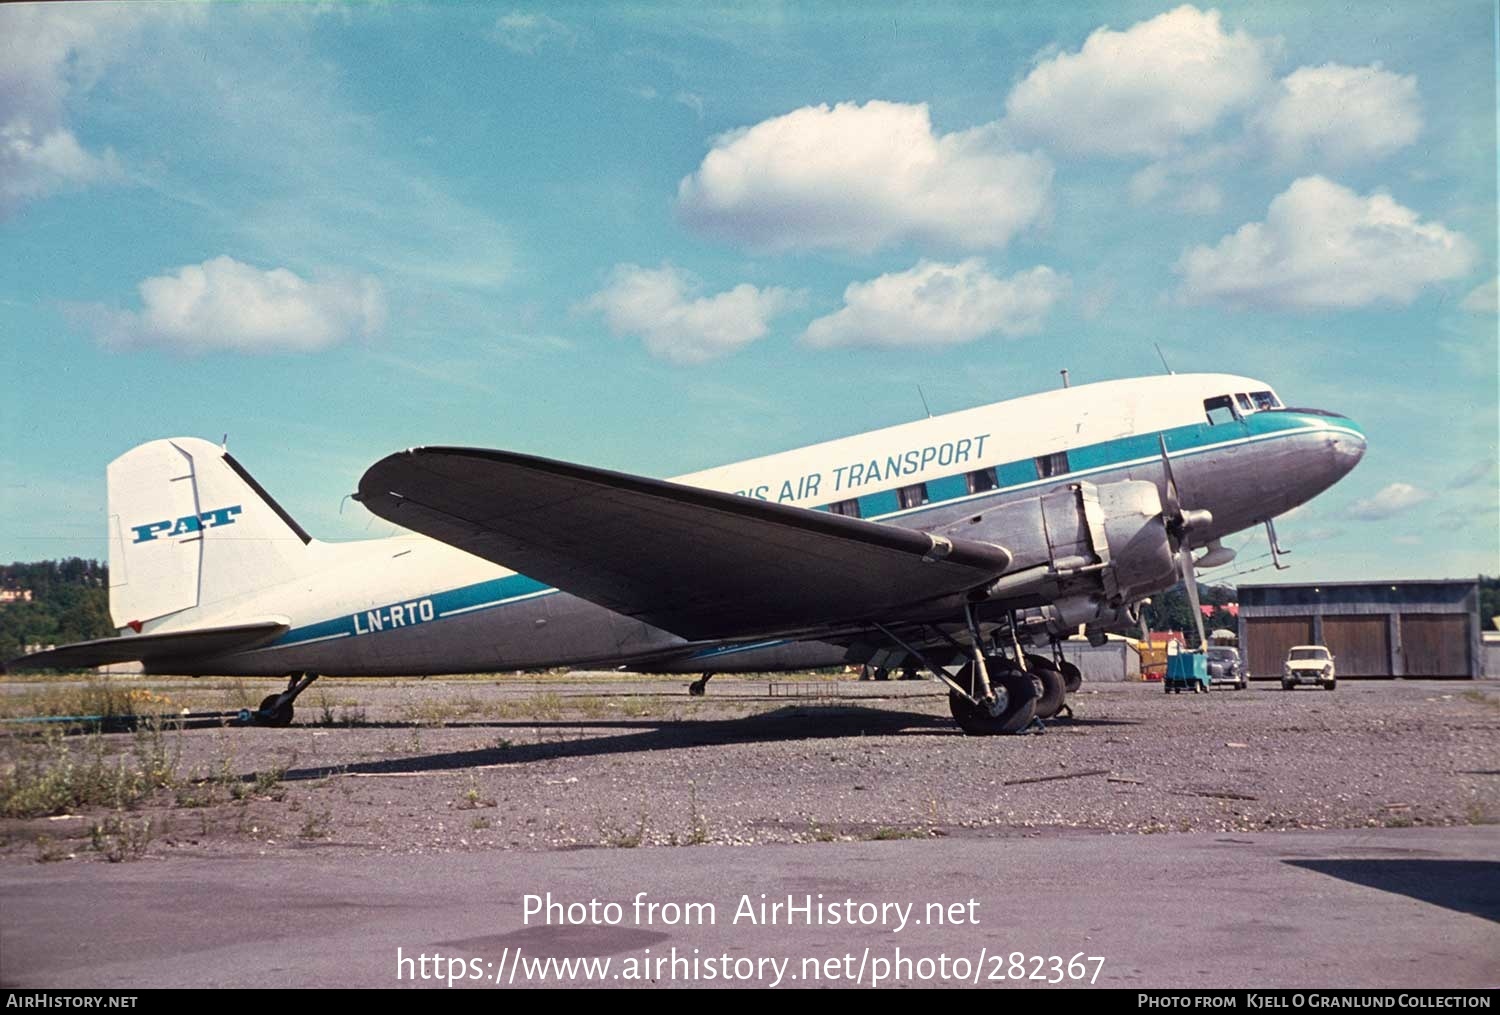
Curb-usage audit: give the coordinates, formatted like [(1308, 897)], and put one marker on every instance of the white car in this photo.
[(1308, 664)]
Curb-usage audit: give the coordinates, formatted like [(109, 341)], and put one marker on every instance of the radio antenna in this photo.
[(924, 401), (1163, 358)]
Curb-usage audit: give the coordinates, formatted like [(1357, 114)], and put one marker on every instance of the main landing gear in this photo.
[(1010, 708), (699, 686), (998, 691), (276, 709)]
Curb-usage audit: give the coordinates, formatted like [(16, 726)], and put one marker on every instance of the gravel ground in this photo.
[(601, 760)]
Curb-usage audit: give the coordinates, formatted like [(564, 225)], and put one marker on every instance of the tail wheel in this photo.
[(1012, 711), (273, 716), (1053, 686)]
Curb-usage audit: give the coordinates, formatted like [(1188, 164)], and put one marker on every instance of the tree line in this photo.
[(69, 602)]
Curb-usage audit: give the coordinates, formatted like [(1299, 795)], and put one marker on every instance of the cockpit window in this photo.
[(1244, 402), (1220, 410), (1265, 400)]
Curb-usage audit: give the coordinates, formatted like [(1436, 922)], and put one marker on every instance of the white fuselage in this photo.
[(409, 604)]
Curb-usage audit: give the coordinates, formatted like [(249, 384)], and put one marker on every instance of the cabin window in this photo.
[(912, 496), (1048, 466), (847, 508), (1220, 410), (982, 481), (1244, 402), (1265, 400)]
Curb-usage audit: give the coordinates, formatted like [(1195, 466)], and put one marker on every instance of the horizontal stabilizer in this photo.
[(148, 648), (698, 563)]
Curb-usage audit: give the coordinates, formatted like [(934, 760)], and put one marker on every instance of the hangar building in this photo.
[(1374, 629)]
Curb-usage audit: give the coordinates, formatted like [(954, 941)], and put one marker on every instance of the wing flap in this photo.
[(698, 563), (149, 648)]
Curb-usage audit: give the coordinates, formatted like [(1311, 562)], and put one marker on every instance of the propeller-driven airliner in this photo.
[(965, 545)]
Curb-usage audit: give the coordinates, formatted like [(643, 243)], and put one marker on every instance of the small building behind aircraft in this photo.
[(1373, 629)]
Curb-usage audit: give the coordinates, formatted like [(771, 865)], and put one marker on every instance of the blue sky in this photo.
[(662, 237)]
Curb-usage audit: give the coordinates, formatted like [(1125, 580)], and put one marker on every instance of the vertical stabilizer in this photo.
[(189, 530)]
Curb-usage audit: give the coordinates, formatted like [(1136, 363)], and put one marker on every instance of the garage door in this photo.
[(1435, 644), (1268, 638), (1361, 645)]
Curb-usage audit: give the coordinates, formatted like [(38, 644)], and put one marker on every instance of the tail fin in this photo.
[(190, 529)]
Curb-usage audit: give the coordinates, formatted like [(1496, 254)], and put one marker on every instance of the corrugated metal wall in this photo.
[(1361, 645), (1268, 638), (1112, 661), (1435, 644)]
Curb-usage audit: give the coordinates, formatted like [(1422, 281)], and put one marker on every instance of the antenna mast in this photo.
[(1164, 363), (924, 401)]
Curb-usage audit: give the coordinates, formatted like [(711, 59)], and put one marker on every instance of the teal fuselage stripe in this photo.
[(1098, 457), (468, 599)]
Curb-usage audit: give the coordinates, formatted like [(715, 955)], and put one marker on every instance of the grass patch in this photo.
[(316, 825), (887, 833), (120, 838), (473, 797), (49, 774), (622, 837), (104, 698), (1480, 698)]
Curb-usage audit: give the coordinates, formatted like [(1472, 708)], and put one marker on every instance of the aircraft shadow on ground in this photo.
[(1465, 886), (640, 735)]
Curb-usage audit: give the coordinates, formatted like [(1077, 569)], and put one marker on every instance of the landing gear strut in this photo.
[(276, 709), (697, 687)]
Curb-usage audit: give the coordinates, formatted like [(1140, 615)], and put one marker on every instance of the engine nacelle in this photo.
[(1082, 553)]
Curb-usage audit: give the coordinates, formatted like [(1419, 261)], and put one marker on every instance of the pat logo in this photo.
[(186, 524)]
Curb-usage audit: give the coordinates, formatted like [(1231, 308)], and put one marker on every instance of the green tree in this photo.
[(69, 602)]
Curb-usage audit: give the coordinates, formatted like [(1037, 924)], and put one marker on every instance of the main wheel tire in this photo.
[(1072, 676), (1286, 685), (1053, 689), (1019, 693), (271, 716)]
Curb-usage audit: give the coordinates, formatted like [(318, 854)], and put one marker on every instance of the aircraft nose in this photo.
[(1348, 446)]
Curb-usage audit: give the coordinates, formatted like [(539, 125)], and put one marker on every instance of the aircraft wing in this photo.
[(149, 648), (698, 563)]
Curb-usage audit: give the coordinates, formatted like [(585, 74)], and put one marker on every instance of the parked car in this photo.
[(1224, 667), (1308, 664)]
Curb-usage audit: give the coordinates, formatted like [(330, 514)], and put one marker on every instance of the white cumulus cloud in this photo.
[(49, 52), (223, 304), (1321, 246), (1143, 90), (861, 177), (1390, 501), (1484, 299), (1342, 114), (660, 306), (935, 304), (525, 33)]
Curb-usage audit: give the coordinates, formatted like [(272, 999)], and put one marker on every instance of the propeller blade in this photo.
[(1172, 503), (1179, 520), (1190, 584)]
